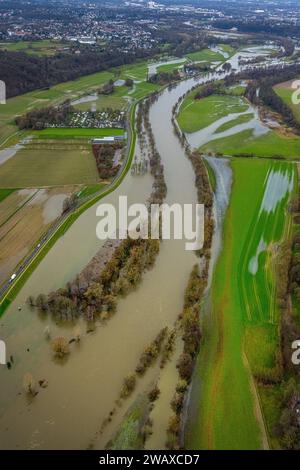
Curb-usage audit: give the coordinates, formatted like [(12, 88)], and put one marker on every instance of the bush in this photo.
[(154, 393), (128, 385), (185, 366), (60, 346)]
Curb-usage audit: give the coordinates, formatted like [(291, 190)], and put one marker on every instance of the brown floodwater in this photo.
[(82, 389)]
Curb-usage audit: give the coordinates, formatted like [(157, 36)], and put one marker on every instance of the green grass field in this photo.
[(227, 48), (73, 133), (112, 101), (170, 67), (117, 100), (143, 89), (209, 56), (268, 145), (4, 193), (206, 55), (136, 71), (42, 167), (44, 47), (197, 114), (237, 90), (285, 91), (240, 334), (234, 122)]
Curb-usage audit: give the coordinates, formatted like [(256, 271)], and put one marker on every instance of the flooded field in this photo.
[(82, 389)]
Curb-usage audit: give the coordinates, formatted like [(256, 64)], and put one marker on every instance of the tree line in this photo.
[(38, 119), (260, 88), (23, 72)]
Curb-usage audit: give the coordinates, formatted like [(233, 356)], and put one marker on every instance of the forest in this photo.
[(23, 72)]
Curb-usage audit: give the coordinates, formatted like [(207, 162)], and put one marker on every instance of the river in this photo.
[(82, 389)]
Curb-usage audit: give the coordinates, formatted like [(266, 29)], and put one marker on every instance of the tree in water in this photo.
[(60, 346), (29, 384)]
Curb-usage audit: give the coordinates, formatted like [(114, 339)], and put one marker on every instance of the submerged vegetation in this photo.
[(95, 295)]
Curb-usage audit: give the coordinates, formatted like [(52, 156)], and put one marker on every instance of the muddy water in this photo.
[(10, 152), (84, 388)]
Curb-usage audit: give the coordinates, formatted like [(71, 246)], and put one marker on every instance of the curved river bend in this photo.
[(81, 391)]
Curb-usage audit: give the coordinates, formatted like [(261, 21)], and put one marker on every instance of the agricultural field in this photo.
[(171, 67), (285, 91), (28, 212), (206, 55), (197, 114), (41, 48), (137, 72), (50, 163), (73, 133), (272, 144), (241, 334)]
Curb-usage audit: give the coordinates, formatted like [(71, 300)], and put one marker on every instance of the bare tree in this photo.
[(60, 346)]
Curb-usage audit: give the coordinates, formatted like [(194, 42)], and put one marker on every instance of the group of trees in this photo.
[(207, 90), (99, 295), (104, 155), (263, 28), (263, 92), (191, 336), (287, 428), (146, 139), (163, 78), (284, 375), (107, 89), (40, 118), (202, 183), (24, 72), (260, 88), (205, 196), (151, 352)]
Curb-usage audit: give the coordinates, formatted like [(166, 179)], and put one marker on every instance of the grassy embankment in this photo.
[(198, 114), (272, 144), (241, 334)]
